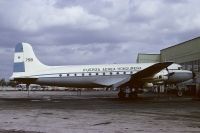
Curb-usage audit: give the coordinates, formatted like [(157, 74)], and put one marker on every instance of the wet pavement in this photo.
[(95, 112)]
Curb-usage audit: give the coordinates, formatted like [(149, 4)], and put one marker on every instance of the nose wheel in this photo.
[(179, 91)]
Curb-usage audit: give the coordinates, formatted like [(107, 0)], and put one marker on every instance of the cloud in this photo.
[(35, 15), (94, 32)]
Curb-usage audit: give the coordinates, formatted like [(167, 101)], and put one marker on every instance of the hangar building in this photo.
[(148, 58), (186, 54)]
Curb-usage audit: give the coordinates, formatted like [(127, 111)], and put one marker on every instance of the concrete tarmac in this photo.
[(95, 112)]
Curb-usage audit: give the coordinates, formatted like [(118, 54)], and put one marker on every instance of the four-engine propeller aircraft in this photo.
[(28, 69)]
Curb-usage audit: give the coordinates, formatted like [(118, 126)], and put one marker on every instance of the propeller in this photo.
[(169, 74), (193, 74)]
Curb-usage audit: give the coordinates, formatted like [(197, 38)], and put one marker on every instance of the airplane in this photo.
[(29, 70)]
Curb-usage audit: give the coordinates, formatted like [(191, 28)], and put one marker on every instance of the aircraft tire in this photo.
[(179, 93)]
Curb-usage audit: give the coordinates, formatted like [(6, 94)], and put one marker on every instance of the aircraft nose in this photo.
[(193, 75), (182, 76), (189, 75)]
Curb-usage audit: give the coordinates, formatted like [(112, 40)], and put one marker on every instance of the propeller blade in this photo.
[(193, 74), (170, 74)]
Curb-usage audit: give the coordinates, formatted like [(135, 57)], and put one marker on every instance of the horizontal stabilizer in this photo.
[(25, 80)]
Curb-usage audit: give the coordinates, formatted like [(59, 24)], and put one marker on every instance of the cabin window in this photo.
[(82, 74), (117, 73), (110, 73), (97, 74), (67, 74), (89, 74), (75, 74), (103, 73), (131, 72), (124, 72), (60, 75)]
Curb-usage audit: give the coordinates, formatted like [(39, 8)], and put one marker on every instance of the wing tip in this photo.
[(167, 63)]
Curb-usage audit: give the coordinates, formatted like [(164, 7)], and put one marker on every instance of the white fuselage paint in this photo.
[(86, 75), (102, 75), (27, 68)]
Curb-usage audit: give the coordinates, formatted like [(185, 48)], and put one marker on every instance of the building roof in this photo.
[(147, 54), (180, 43)]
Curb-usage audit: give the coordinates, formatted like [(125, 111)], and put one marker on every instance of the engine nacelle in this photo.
[(160, 78), (148, 85), (163, 77)]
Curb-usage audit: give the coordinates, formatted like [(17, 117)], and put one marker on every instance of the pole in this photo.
[(27, 87)]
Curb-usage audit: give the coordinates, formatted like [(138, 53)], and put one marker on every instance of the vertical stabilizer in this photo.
[(25, 61)]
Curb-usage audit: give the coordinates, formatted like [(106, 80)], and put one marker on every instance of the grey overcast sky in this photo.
[(66, 32)]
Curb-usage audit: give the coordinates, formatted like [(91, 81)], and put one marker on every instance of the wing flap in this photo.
[(107, 81)]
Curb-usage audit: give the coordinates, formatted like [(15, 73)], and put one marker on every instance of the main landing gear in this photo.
[(133, 94), (128, 92)]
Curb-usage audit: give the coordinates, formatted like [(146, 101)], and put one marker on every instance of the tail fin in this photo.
[(25, 61)]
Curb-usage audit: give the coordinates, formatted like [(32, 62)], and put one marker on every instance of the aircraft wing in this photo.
[(136, 78)]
